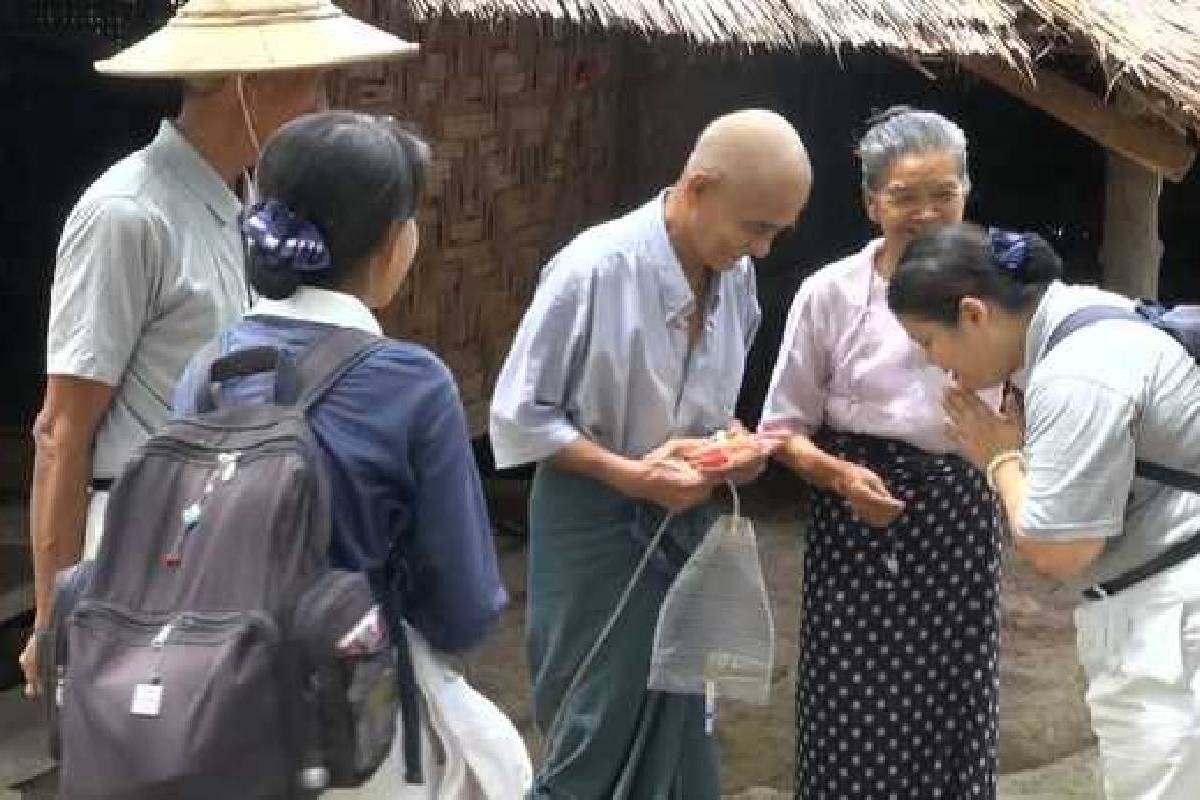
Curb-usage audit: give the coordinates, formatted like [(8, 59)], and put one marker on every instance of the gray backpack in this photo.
[(210, 650)]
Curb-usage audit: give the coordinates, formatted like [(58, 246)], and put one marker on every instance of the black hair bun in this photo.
[(1042, 265)]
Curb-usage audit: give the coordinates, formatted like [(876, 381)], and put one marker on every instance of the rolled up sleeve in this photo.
[(103, 288), (1079, 453), (529, 418)]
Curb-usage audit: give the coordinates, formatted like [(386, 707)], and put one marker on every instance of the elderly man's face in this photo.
[(277, 98), (740, 217)]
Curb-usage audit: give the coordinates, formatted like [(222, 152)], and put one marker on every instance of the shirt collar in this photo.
[(870, 275), (177, 154), (1041, 325), (675, 292), (320, 305)]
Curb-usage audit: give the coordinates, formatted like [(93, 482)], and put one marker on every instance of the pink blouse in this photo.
[(847, 363)]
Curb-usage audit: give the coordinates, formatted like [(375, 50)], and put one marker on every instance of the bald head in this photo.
[(752, 146), (746, 181)]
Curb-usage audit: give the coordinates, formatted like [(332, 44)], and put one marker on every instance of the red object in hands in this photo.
[(714, 457)]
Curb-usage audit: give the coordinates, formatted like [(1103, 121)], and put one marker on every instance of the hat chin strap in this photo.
[(247, 117)]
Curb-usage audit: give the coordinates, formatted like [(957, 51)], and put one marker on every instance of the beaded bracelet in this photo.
[(998, 461)]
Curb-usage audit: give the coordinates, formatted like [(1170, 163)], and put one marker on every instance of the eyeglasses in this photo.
[(907, 200)]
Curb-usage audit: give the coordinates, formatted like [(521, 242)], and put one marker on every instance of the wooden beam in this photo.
[(1152, 146), (1131, 253)]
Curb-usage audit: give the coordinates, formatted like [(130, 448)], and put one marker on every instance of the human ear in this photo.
[(871, 205), (973, 311)]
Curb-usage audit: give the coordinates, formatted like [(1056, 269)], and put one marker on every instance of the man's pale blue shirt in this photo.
[(149, 268), (603, 349)]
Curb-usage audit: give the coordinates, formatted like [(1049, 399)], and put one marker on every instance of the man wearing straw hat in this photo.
[(150, 263)]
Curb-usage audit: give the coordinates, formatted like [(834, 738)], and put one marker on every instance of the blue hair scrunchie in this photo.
[(1009, 251), (283, 240)]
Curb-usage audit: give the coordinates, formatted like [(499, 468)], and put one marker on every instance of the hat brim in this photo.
[(186, 48)]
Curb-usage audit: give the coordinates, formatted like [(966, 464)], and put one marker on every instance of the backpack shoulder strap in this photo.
[(1086, 316), (1168, 476), (329, 359), (1175, 478)]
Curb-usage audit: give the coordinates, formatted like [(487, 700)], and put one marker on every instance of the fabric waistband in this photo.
[(895, 461)]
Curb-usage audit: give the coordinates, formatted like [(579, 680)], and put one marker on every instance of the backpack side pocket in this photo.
[(353, 676), (53, 652)]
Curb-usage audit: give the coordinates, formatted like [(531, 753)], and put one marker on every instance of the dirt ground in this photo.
[(1046, 751)]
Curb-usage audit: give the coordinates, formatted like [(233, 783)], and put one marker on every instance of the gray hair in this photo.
[(901, 130)]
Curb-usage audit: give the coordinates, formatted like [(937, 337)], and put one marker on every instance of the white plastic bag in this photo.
[(469, 749), (715, 633)]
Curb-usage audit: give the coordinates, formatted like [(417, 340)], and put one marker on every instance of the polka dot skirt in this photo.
[(898, 677)]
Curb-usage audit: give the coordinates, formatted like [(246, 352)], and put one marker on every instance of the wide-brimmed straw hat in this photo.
[(220, 37)]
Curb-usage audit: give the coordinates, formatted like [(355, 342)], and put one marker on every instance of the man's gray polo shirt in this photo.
[(148, 270), (1108, 393)]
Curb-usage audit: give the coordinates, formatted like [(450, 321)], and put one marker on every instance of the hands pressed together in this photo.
[(980, 432)]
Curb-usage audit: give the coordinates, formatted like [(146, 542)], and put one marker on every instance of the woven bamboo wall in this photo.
[(523, 122), (675, 91)]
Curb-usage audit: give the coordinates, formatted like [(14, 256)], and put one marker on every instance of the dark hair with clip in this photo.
[(332, 184), (947, 263)]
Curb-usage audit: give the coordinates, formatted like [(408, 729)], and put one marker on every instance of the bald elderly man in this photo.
[(632, 350)]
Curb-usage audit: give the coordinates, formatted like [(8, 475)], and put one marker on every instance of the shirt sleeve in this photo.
[(799, 384), (104, 285), (183, 399), (1079, 453), (456, 592), (529, 420)]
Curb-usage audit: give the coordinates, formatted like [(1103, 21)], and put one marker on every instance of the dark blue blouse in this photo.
[(400, 464)]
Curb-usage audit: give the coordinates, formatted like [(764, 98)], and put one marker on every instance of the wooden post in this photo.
[(1131, 251)]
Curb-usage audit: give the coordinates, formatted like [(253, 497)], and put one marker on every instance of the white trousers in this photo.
[(1140, 650)]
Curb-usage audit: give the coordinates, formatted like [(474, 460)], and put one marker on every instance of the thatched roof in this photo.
[(975, 27), (1151, 47)]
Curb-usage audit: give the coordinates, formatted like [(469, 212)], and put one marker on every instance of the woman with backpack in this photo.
[(334, 237), (1110, 402)]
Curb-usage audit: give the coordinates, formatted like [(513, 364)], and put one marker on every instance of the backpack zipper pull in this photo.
[(189, 518), (148, 697), (160, 639), (229, 465), (159, 645)]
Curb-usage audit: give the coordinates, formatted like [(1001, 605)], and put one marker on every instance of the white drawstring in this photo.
[(556, 724), (246, 116)]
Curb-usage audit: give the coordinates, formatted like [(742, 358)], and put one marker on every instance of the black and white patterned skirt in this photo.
[(897, 686)]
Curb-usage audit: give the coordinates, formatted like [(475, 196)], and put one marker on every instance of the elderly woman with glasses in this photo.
[(897, 679)]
